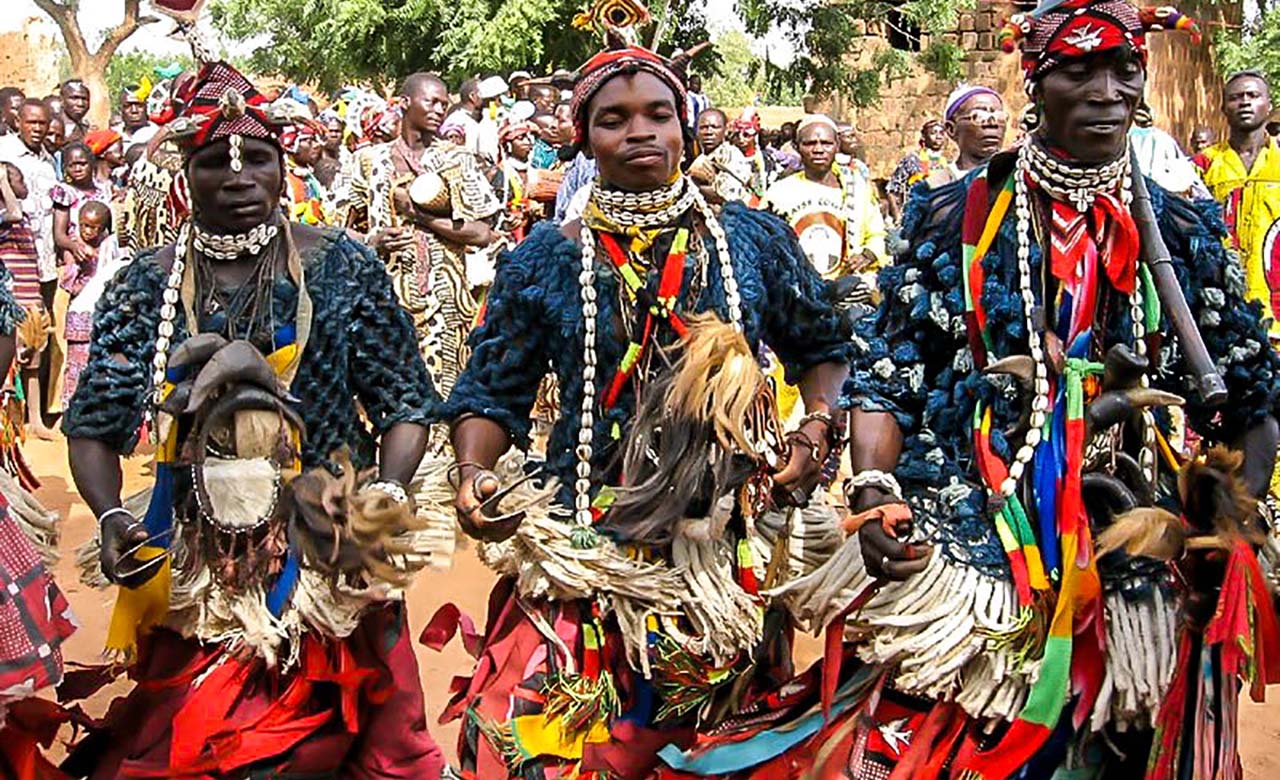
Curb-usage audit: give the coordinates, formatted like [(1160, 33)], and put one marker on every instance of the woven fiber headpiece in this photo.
[(618, 62), (1065, 30), (220, 102)]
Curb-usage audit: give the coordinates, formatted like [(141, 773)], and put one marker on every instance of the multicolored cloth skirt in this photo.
[(351, 709), (506, 731), (78, 329)]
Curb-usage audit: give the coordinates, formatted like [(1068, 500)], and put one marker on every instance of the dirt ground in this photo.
[(466, 585)]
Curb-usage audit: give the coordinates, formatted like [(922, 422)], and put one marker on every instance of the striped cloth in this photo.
[(18, 254)]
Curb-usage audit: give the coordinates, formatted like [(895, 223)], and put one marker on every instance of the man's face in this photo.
[(710, 131), (426, 107), (9, 111), (55, 137), (848, 139), (745, 136), (1246, 102), (1201, 139), (979, 125), (544, 97), (548, 128), (695, 83), (309, 149), (33, 125), (75, 101), (817, 147), (564, 123), (227, 201), (133, 111), (333, 130), (1088, 104), (634, 132)]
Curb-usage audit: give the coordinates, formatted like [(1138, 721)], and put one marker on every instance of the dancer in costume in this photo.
[(627, 611), (1020, 595), (261, 586)]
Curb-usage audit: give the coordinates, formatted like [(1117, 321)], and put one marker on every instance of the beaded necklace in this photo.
[(644, 210)]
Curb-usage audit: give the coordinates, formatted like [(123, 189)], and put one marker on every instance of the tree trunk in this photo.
[(94, 75)]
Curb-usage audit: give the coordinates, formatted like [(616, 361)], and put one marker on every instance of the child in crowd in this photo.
[(85, 280)]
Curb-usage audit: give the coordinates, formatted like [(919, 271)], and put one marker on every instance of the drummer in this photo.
[(452, 211)]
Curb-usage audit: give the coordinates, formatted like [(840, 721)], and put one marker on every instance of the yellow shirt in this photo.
[(1251, 207)]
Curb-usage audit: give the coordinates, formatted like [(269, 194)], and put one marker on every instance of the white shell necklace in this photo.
[(632, 210)]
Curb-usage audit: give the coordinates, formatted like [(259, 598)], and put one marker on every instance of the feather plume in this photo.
[(1214, 496), (691, 442), (1147, 531), (717, 380)]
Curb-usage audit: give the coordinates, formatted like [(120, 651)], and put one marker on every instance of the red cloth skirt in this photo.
[(352, 709)]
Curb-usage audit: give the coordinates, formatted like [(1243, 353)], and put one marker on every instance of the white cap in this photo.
[(492, 87), (522, 110)]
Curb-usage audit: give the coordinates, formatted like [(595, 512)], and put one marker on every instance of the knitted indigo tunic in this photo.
[(360, 361)]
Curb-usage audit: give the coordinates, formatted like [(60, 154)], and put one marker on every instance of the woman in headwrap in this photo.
[(108, 151), (306, 199), (628, 610), (259, 608), (1034, 585), (512, 185)]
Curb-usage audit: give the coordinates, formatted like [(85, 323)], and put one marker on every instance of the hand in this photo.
[(121, 532), (475, 487), (883, 555), (392, 240), (796, 481), (83, 252)]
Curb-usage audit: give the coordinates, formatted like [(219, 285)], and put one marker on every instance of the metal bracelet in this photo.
[(116, 510)]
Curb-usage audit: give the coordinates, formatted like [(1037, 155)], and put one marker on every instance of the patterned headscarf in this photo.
[(514, 130), (1058, 32), (291, 137), (961, 95), (618, 62), (218, 103)]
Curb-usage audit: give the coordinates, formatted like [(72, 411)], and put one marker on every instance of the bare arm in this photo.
[(875, 443), (400, 451), (95, 468), (474, 233)]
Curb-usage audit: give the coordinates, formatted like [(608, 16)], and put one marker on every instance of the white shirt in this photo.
[(142, 135), (39, 175), (1160, 157)]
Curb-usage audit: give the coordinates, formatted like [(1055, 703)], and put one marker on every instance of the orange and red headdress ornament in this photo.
[(1064, 30)]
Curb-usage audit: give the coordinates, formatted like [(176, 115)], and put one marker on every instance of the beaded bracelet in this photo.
[(392, 488), (874, 478)]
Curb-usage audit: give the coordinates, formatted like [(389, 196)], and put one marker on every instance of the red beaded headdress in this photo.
[(1058, 32)]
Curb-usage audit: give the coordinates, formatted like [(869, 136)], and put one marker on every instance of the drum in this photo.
[(431, 194)]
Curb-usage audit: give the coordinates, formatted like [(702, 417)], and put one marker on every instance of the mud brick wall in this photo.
[(1183, 88), (29, 58)]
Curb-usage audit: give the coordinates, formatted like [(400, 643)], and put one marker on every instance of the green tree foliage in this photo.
[(821, 32), (1255, 46), (127, 69), (332, 42)]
